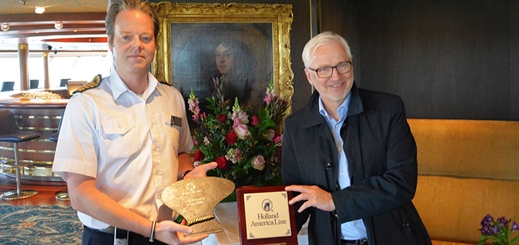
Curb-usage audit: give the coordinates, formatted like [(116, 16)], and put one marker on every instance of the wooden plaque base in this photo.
[(246, 194)]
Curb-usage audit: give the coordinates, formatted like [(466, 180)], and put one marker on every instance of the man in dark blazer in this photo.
[(350, 156)]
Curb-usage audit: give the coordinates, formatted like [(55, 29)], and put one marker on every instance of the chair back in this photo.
[(8, 123), (7, 86), (54, 136), (34, 83), (63, 82)]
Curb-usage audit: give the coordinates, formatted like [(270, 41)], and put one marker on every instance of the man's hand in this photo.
[(313, 197), (201, 170), (172, 233)]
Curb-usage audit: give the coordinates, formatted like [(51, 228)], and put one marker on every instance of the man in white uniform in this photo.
[(124, 140)]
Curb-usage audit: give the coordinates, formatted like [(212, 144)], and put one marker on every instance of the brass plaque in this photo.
[(195, 199)]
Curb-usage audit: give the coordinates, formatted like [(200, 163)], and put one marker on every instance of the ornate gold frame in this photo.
[(279, 15)]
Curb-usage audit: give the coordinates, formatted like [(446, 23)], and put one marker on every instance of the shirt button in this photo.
[(120, 126), (343, 174)]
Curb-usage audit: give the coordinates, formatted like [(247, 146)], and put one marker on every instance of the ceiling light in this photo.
[(39, 9), (58, 24), (5, 26)]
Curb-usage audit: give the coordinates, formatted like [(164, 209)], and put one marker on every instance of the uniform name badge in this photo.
[(175, 121)]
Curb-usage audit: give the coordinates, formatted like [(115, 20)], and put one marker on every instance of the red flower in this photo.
[(222, 162), (221, 118), (255, 120), (230, 138), (199, 156)]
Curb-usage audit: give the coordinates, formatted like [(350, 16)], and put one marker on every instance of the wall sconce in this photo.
[(58, 24), (5, 26), (39, 9)]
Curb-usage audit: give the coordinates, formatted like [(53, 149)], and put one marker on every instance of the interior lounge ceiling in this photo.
[(83, 24)]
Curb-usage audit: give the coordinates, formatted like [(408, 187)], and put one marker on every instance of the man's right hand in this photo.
[(201, 170), (172, 233)]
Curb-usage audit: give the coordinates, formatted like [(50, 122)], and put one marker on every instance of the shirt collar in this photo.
[(119, 87), (342, 111)]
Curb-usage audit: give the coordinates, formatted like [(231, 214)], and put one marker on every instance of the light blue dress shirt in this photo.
[(355, 229)]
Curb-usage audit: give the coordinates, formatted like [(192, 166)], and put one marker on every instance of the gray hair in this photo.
[(118, 6), (319, 40)]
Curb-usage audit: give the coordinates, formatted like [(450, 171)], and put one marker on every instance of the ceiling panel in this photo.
[(52, 6), (81, 19)]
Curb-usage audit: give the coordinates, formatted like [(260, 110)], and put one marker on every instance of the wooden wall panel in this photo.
[(446, 59)]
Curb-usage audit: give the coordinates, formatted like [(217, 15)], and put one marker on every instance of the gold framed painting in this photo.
[(245, 45)]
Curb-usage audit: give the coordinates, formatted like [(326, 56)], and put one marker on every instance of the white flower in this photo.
[(271, 134)]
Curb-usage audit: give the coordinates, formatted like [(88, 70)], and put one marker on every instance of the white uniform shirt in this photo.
[(128, 142)]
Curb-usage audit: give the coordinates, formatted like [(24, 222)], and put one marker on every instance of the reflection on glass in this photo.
[(79, 67)]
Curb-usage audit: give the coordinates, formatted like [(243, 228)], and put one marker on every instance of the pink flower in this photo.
[(238, 114), (278, 138), (242, 131), (244, 118), (258, 162), (269, 96), (193, 104), (234, 155), (236, 123)]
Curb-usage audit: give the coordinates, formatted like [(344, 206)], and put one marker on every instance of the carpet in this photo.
[(39, 225)]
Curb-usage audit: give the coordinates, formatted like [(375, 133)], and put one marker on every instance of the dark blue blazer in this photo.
[(381, 152)]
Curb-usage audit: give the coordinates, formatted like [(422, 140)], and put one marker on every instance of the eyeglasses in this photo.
[(327, 71)]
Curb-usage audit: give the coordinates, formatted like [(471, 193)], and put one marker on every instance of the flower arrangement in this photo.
[(498, 230), (247, 148)]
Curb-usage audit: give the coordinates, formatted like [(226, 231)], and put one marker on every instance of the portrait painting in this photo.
[(239, 55), (244, 47)]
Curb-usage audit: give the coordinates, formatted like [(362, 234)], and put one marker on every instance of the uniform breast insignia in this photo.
[(96, 81)]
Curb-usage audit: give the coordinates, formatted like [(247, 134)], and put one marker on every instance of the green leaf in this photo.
[(516, 239)]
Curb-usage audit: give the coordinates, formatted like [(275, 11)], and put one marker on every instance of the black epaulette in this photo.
[(96, 81), (165, 83)]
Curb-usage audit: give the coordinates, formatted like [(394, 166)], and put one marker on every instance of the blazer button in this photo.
[(328, 166)]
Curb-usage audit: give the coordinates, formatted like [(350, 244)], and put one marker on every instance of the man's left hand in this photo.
[(313, 197)]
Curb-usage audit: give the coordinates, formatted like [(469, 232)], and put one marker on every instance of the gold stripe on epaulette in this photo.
[(96, 81), (165, 83)]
